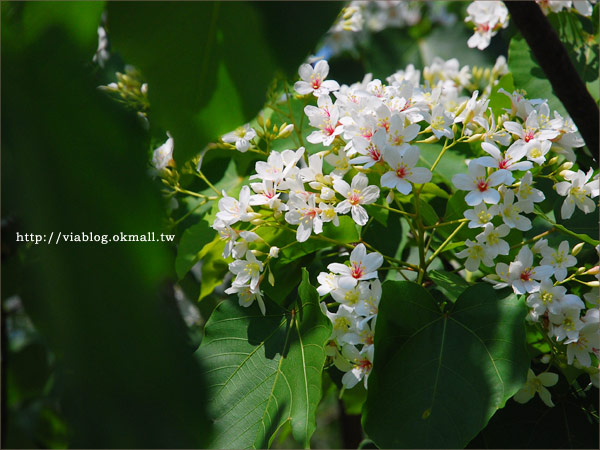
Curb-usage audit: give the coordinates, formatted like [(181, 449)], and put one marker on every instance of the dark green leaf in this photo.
[(192, 242), (439, 377), (449, 283)]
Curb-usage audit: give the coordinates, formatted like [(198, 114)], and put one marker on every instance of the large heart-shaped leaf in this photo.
[(263, 371), (438, 377)]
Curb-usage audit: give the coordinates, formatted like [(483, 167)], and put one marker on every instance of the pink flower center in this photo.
[(374, 152), (484, 27), (482, 185), (311, 213), (401, 171), (357, 270), (354, 198), (529, 135), (365, 365), (329, 130), (367, 133), (316, 83), (526, 275), (504, 164)]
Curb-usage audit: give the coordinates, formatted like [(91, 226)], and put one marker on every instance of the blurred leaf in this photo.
[(438, 377), (75, 162), (214, 268), (264, 370), (192, 242), (500, 102), (208, 64), (529, 76)]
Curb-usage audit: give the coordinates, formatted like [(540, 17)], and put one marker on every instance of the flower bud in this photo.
[(546, 358), (566, 166), (271, 279), (553, 160), (429, 140), (593, 271), (475, 137), (577, 248), (594, 283), (580, 270), (285, 131), (390, 197), (274, 252), (260, 120)]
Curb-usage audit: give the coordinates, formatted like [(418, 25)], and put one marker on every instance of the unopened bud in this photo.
[(486, 73), (274, 252), (566, 166), (429, 140), (144, 88), (454, 129), (260, 120), (285, 131), (594, 283), (580, 270), (577, 248), (257, 221), (475, 138), (268, 123), (271, 279), (390, 197), (593, 271), (275, 128), (553, 160), (546, 358), (460, 108)]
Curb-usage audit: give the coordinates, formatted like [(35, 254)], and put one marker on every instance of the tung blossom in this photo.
[(357, 194)]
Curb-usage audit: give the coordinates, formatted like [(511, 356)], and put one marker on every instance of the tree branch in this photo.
[(556, 64)]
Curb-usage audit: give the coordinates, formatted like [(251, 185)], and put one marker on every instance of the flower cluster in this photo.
[(370, 132), (357, 290)]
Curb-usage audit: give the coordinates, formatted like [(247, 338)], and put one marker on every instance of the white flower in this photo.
[(578, 191), (247, 296), (476, 252), (523, 275), (368, 306), (313, 80), (532, 129), (340, 162), (304, 214), (248, 269), (480, 215), (559, 259), (327, 283), (440, 121), (371, 151), (274, 252), (552, 299), (567, 323), (363, 266), (357, 194), (537, 384), (404, 170), (488, 17), (344, 320), (509, 210), (527, 194), (492, 237), (241, 247), (232, 210), (313, 174), (241, 137), (480, 185), (473, 111), (398, 134), (511, 160), (587, 342), (163, 155), (362, 365), (536, 150)]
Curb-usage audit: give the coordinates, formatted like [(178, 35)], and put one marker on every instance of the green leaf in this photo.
[(500, 102), (449, 283), (208, 64), (529, 76), (264, 371), (214, 268), (192, 242), (438, 377)]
